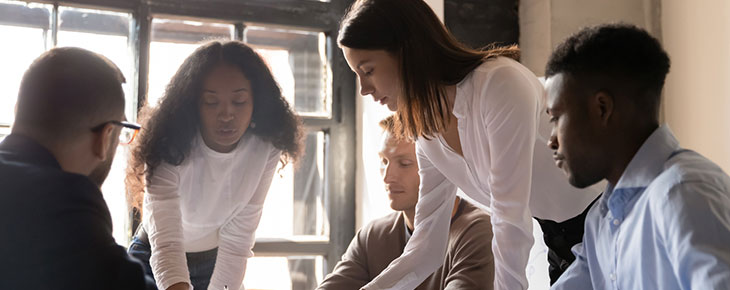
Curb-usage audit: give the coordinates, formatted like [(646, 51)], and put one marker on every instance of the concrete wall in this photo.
[(478, 23)]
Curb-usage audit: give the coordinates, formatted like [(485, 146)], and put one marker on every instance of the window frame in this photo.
[(339, 126)]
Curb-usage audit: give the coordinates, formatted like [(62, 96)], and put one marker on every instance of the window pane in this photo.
[(296, 202), (284, 273), (103, 32), (26, 27), (4, 131), (173, 41), (106, 33), (299, 63)]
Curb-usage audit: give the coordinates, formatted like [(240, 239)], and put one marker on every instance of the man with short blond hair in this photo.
[(468, 263)]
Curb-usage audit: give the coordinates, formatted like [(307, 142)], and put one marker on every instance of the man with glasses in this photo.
[(56, 227)]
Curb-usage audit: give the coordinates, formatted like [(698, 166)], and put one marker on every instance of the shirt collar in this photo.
[(215, 154), (460, 102), (648, 162), (407, 231), (26, 150), (646, 165)]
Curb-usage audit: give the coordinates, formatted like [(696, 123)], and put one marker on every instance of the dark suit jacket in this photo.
[(55, 228), (468, 264)]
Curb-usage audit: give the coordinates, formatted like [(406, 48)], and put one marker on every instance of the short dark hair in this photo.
[(620, 52), (67, 90)]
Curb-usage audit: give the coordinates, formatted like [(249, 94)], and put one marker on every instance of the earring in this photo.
[(252, 125)]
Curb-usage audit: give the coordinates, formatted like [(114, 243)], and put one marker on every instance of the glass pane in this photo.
[(299, 63), (114, 193), (173, 41), (26, 27), (103, 32), (106, 33), (296, 202), (4, 131), (284, 273)]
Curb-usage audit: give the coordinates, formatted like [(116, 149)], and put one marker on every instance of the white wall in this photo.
[(438, 7), (696, 35), (546, 23)]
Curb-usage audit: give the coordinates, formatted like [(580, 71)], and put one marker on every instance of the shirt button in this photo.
[(613, 277), (616, 222)]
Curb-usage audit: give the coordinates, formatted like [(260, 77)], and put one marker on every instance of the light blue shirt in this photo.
[(665, 225)]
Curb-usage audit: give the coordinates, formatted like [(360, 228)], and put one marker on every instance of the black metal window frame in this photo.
[(340, 129)]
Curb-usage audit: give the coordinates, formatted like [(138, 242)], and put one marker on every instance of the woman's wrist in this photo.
[(179, 286)]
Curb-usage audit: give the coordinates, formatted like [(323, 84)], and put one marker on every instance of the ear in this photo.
[(604, 102), (101, 142)]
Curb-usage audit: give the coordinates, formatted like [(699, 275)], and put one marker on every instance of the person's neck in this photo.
[(65, 153), (451, 100), (630, 145), (410, 214), (451, 95)]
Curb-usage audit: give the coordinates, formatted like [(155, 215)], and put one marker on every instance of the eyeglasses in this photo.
[(129, 130)]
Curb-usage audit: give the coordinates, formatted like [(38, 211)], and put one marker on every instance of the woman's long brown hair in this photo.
[(430, 57)]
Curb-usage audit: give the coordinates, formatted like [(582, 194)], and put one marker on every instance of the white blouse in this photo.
[(211, 200), (506, 166)]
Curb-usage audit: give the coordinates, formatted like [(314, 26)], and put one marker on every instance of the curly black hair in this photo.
[(616, 51), (168, 130)]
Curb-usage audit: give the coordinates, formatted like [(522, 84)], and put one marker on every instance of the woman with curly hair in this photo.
[(205, 163)]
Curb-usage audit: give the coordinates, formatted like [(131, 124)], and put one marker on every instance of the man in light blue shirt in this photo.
[(664, 219)]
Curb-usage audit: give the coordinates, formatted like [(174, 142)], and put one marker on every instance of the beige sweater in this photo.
[(468, 264)]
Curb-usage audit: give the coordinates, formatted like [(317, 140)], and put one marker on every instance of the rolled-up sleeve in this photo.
[(163, 222), (578, 275)]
